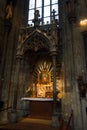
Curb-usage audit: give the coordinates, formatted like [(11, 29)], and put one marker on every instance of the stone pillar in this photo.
[(54, 84), (13, 113), (84, 116), (77, 67), (3, 76), (55, 122), (53, 49), (4, 54)]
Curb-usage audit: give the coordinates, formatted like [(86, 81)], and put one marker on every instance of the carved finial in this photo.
[(54, 35)]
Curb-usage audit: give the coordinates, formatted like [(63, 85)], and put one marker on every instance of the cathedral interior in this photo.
[(43, 61)]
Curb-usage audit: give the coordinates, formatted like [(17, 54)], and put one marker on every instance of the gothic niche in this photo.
[(44, 84), (42, 80)]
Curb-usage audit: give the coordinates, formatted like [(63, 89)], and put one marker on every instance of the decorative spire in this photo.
[(54, 35)]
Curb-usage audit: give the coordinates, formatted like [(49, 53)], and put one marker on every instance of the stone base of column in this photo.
[(3, 117), (55, 121), (12, 117)]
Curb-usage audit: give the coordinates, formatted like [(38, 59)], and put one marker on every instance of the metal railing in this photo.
[(5, 109)]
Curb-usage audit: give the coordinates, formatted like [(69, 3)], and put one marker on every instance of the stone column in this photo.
[(55, 122), (4, 54), (6, 28), (53, 49), (77, 65), (13, 113), (54, 84), (84, 116)]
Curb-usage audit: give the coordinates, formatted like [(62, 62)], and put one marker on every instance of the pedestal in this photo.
[(55, 121), (12, 117)]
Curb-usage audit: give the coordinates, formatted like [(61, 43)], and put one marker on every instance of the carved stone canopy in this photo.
[(39, 37), (34, 41), (42, 41)]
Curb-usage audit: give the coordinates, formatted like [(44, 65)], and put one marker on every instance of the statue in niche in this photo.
[(9, 11), (36, 19), (44, 76), (44, 82), (37, 15)]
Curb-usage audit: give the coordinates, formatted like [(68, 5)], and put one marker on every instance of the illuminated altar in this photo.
[(43, 87), (40, 93), (44, 90)]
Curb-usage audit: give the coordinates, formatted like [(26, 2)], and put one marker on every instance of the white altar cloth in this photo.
[(37, 99)]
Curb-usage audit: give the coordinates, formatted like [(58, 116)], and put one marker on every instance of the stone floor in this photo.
[(34, 123), (30, 124)]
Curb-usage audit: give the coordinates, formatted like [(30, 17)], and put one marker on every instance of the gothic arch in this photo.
[(34, 41)]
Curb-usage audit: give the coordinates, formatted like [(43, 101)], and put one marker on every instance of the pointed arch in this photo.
[(35, 41)]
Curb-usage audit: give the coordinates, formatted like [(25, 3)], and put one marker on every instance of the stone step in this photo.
[(33, 124)]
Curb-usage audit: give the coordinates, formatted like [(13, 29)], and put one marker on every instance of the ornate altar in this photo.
[(44, 85)]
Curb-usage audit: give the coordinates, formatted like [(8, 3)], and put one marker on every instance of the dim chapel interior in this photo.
[(43, 61)]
